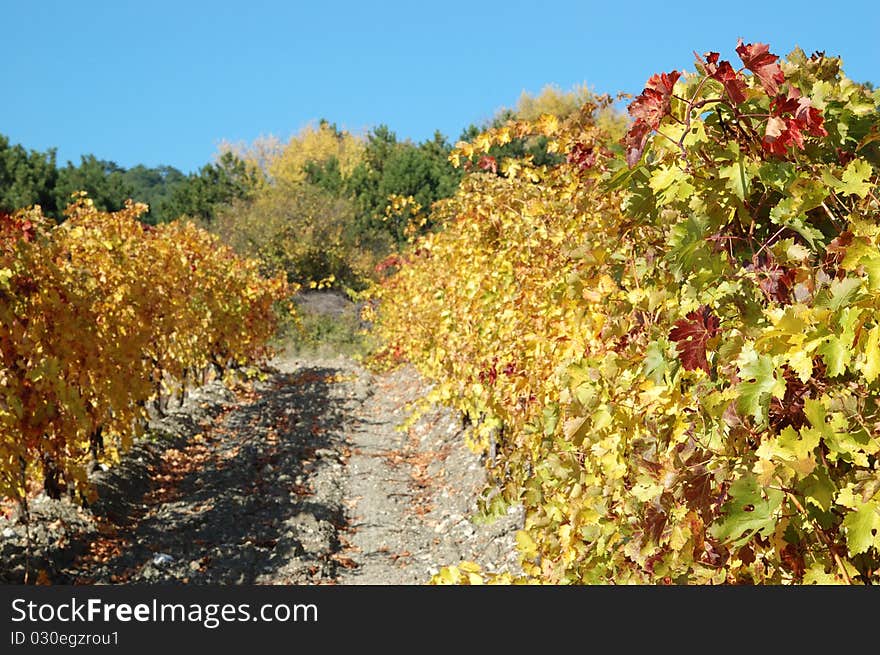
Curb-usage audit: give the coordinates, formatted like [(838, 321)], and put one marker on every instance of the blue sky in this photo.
[(162, 82)]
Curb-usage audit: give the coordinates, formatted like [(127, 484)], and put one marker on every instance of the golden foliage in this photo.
[(98, 315)]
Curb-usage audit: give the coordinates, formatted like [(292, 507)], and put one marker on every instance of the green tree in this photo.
[(103, 180), (26, 177), (200, 194), (403, 168), (326, 174), (154, 186)]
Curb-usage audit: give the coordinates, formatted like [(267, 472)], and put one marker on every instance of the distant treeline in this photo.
[(324, 206), (32, 177)]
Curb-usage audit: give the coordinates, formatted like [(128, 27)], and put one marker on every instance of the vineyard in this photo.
[(663, 348)]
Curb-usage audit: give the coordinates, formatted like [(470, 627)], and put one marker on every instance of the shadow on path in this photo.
[(254, 496)]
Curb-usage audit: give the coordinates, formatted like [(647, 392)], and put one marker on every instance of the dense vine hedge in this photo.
[(98, 316), (671, 344)]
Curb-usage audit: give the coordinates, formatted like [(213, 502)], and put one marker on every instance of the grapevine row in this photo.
[(670, 345), (99, 316)]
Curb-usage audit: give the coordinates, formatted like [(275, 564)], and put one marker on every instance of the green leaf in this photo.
[(759, 381), (621, 178), (5, 276), (836, 355), (791, 210), (789, 251), (819, 489), (797, 222), (738, 178), (801, 363), (872, 266), (792, 445), (834, 430), (803, 195), (815, 411), (840, 294), (862, 528), (639, 199), (748, 512), (863, 253), (646, 490), (656, 363), (777, 174), (729, 349), (817, 575), (688, 249), (551, 418), (810, 234), (663, 177)]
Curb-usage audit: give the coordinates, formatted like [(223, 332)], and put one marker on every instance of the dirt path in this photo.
[(301, 479), (410, 493)]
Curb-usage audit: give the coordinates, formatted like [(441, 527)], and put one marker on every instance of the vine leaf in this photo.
[(738, 178), (840, 293), (653, 103), (648, 109), (747, 512), (836, 355), (856, 177), (871, 367), (791, 116), (759, 383), (691, 335), (723, 72), (758, 59), (862, 528)]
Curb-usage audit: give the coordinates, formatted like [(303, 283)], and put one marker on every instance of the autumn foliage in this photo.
[(670, 346), (101, 315)]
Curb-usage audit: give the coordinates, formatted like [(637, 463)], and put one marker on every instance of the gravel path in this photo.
[(411, 493), (302, 478)]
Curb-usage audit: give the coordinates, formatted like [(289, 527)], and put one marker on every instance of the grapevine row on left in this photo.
[(97, 316)]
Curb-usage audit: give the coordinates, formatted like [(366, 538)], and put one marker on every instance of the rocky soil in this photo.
[(301, 478)]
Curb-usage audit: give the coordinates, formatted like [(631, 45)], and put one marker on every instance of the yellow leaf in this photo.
[(871, 367)]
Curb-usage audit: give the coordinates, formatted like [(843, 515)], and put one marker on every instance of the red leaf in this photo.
[(654, 102), (582, 155), (758, 59), (388, 262), (691, 335), (836, 251), (663, 83), (722, 71), (809, 118), (801, 108), (635, 141), (777, 284), (789, 410), (488, 163), (14, 228), (775, 281), (648, 109), (844, 157), (790, 116)]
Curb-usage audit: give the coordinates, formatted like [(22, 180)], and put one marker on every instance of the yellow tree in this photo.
[(316, 144), (285, 163), (555, 101)]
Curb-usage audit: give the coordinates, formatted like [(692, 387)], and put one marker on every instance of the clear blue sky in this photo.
[(160, 82)]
